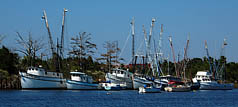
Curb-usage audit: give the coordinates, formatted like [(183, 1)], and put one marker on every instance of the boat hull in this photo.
[(140, 83), (177, 89), (195, 86), (119, 80), (40, 82), (112, 86), (149, 90), (77, 85), (108, 88), (215, 86)]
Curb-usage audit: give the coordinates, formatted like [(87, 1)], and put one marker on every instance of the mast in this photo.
[(171, 45), (152, 62), (208, 57), (133, 38), (160, 43), (221, 64), (150, 34), (146, 42), (49, 33), (185, 56), (62, 34)]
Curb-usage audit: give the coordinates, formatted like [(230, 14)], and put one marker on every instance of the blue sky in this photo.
[(109, 20)]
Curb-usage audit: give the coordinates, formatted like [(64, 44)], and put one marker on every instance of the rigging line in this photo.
[(125, 44), (138, 49)]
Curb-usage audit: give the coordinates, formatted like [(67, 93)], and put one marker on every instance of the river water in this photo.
[(125, 98)]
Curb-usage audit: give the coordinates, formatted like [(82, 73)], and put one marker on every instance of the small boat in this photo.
[(81, 81), (149, 88), (39, 78), (204, 78), (174, 86), (109, 86)]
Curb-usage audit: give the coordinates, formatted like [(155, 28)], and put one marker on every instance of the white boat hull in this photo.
[(77, 85), (139, 83), (215, 86), (41, 82), (149, 90)]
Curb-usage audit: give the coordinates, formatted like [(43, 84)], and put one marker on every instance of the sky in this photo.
[(109, 20)]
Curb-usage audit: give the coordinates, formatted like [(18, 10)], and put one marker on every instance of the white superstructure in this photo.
[(80, 80), (206, 82), (38, 78)]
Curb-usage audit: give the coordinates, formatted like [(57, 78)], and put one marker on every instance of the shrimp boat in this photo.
[(206, 82), (81, 81), (39, 78), (140, 81), (208, 79), (120, 76)]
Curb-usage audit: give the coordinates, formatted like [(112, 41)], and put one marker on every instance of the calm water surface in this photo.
[(68, 98)]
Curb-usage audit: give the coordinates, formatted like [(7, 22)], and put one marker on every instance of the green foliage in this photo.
[(3, 74), (9, 60), (232, 72)]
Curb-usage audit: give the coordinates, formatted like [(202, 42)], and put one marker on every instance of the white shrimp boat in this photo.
[(206, 82), (38, 78), (120, 76), (81, 81), (140, 81)]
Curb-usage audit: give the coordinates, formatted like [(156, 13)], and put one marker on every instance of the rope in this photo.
[(125, 44)]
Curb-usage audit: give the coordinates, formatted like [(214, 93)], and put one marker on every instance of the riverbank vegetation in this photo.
[(80, 57)]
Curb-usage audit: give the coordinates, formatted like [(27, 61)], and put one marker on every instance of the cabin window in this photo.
[(57, 74), (121, 72), (45, 73), (53, 73)]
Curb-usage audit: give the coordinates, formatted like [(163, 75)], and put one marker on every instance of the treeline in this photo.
[(80, 58)]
